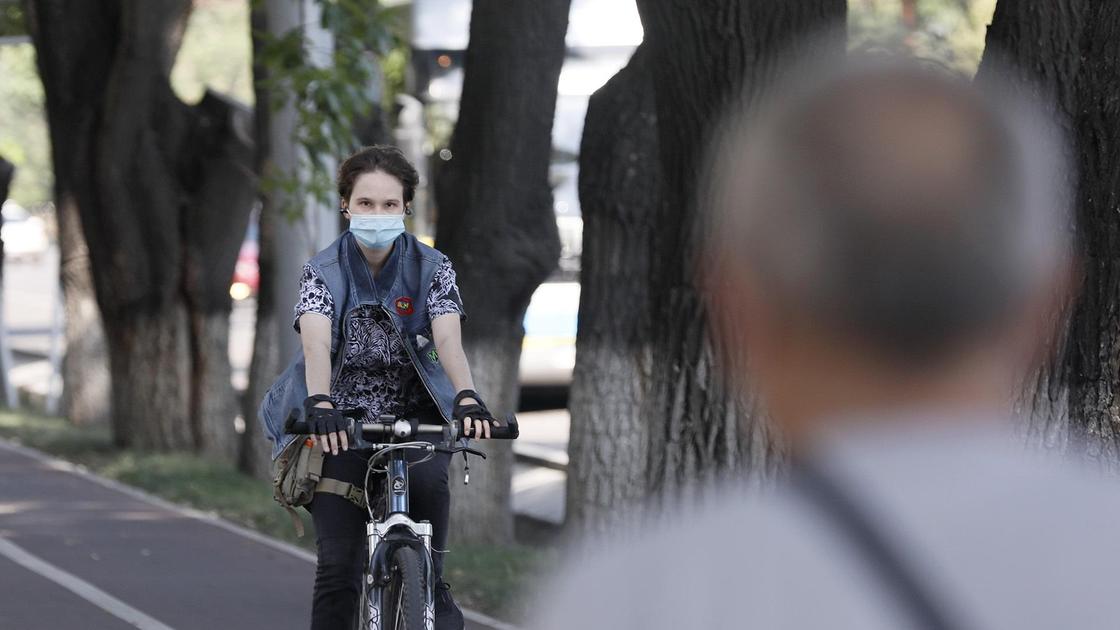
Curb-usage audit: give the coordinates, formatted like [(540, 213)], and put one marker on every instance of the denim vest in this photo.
[(346, 274)]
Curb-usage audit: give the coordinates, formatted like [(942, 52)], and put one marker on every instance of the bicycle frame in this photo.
[(384, 536)]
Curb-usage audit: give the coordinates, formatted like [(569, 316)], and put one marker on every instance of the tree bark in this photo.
[(294, 239), (496, 217), (1093, 357), (1067, 50), (222, 186), (11, 398), (253, 457), (703, 54), (7, 173), (72, 124), (85, 367), (163, 192), (620, 200), (1040, 44)]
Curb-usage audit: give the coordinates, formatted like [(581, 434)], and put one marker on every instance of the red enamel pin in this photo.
[(404, 305)]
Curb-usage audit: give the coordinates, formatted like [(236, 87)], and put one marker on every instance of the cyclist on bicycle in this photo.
[(379, 317)]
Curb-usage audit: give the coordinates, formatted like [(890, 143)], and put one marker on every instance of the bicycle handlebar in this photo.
[(401, 428)]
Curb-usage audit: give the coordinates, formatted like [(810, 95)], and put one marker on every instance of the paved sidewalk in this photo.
[(540, 475)]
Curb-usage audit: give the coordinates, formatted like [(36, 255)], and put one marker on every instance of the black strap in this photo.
[(896, 575), (315, 399), (466, 393)]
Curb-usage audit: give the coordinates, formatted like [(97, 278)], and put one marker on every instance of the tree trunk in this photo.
[(702, 55), (85, 367), (222, 186), (1068, 49), (152, 416), (163, 192), (496, 218), (1040, 43), (7, 173), (294, 239), (72, 122), (11, 398), (1093, 359), (253, 457), (620, 199)]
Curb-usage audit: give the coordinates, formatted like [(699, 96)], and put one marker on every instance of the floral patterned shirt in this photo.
[(378, 375)]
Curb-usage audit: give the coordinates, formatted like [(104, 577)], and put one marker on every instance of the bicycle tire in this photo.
[(403, 602)]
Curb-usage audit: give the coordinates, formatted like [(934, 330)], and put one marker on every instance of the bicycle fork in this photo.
[(396, 530)]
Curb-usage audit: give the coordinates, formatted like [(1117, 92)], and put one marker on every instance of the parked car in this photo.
[(246, 273), (548, 352), (24, 234)]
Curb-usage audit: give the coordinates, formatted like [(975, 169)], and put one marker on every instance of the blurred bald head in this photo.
[(892, 204), (886, 237)]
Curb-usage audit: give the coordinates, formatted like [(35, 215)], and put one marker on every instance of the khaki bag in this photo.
[(297, 474)]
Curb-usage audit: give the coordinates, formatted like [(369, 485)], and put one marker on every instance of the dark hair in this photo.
[(379, 157)]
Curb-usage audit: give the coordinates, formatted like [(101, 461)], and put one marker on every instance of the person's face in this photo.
[(376, 192)]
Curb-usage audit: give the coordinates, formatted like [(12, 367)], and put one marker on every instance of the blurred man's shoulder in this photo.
[(776, 559), (735, 555)]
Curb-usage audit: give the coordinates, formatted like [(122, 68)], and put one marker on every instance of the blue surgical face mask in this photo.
[(377, 231)]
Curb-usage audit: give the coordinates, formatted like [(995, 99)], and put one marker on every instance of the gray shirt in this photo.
[(999, 538)]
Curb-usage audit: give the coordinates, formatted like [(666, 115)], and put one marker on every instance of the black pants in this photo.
[(340, 530)]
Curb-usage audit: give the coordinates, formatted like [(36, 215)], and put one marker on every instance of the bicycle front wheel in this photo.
[(403, 600)]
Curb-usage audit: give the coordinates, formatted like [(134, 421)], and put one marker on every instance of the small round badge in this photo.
[(404, 306)]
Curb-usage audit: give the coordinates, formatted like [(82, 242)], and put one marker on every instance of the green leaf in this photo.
[(369, 45)]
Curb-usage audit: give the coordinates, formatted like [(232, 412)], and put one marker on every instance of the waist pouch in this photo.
[(297, 474)]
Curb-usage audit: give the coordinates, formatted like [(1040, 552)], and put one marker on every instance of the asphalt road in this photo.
[(80, 552)]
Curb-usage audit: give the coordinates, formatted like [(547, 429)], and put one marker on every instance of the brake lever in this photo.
[(466, 465), (461, 449)]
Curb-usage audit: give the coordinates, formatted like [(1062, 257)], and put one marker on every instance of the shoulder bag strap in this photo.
[(896, 575)]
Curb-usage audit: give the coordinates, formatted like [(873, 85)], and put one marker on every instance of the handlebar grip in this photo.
[(294, 426), (507, 431)]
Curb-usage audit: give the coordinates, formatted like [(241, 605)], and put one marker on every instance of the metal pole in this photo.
[(11, 397)]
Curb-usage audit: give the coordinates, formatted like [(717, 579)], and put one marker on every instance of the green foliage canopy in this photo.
[(335, 91), (24, 140), (11, 19), (216, 52), (947, 31), (333, 99)]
